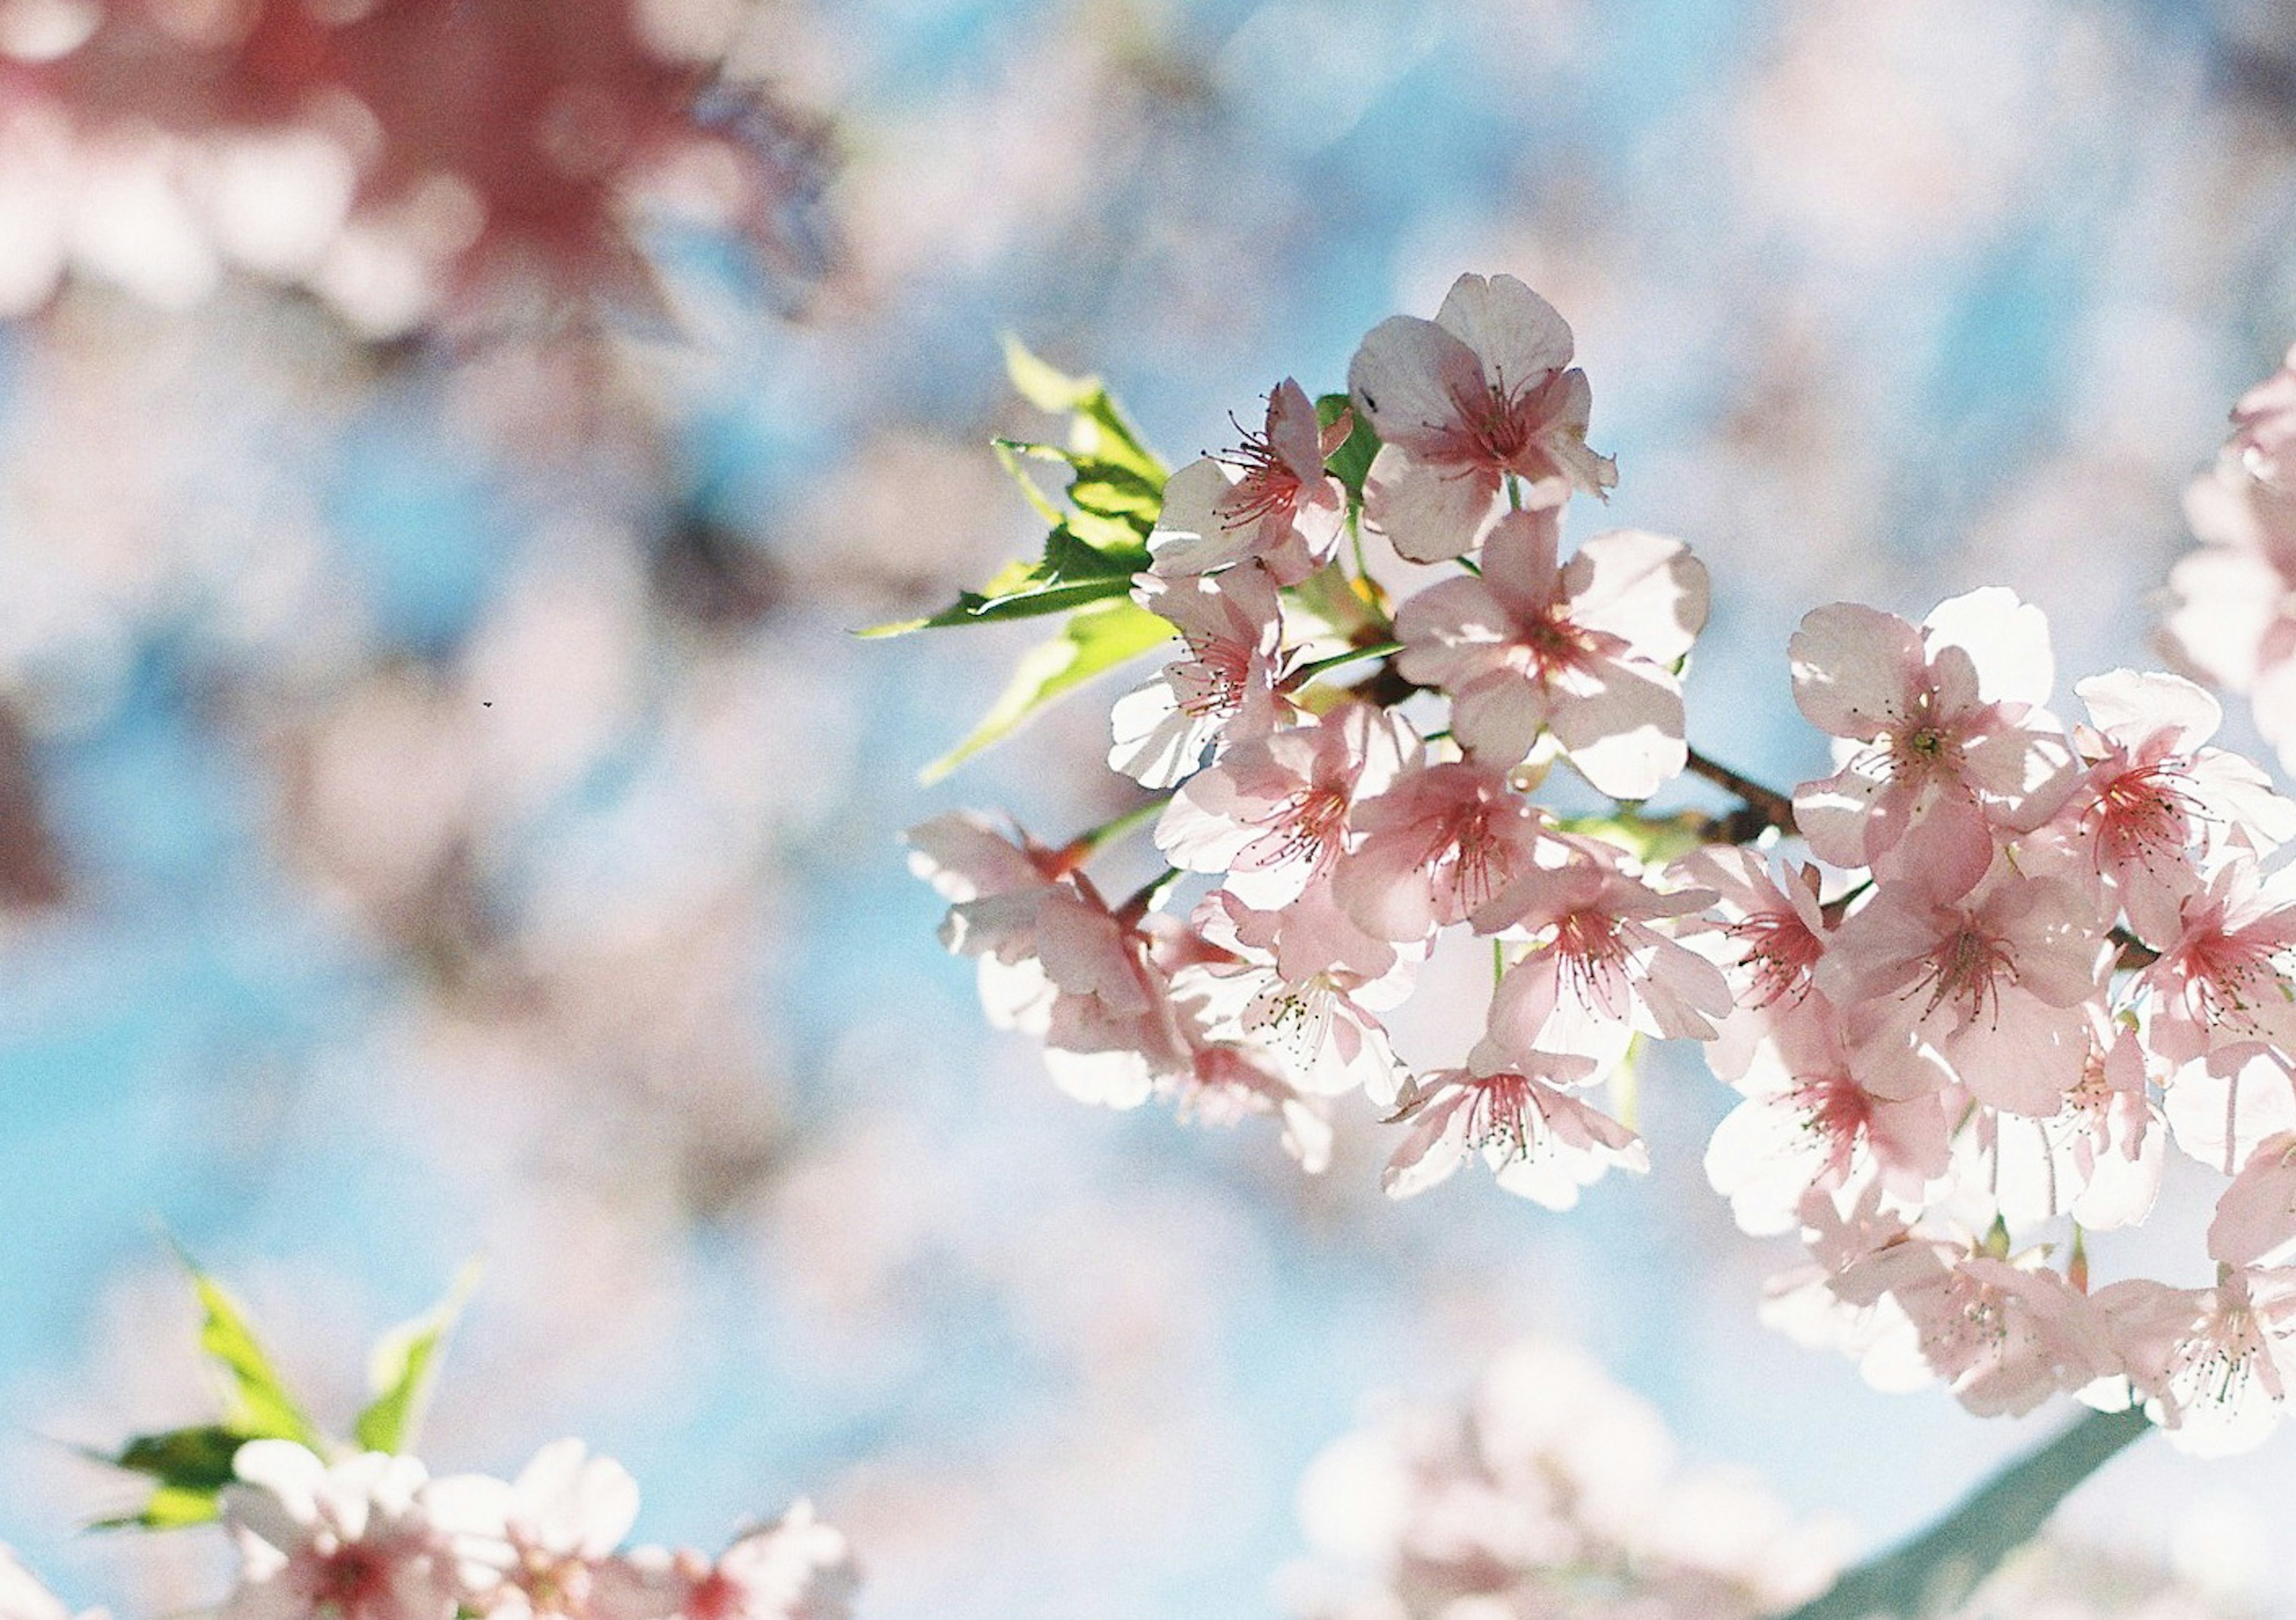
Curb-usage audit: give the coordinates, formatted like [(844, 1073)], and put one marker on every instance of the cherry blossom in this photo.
[(1223, 692), (1541, 1142), (1600, 969), (353, 1541), (1814, 1120), (795, 1568), (1442, 843), (2221, 983), (23, 1597), (1273, 813), (1997, 981), (1768, 934), (2264, 424), (533, 1546), (1954, 743), (1482, 394), (2098, 1158), (2232, 623), (1585, 649), (2211, 1365), (1269, 501)]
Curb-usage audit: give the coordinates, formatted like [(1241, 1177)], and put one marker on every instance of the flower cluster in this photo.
[(2002, 966), (1556, 1492), (1350, 831), (398, 159), (372, 1536)]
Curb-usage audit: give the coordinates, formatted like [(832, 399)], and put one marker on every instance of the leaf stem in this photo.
[(1092, 841), (1934, 1573), (1307, 672)]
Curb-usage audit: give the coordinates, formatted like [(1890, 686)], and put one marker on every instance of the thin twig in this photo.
[(1773, 807)]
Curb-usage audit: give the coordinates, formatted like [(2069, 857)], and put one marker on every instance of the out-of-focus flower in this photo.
[(347, 1541), (795, 1568)]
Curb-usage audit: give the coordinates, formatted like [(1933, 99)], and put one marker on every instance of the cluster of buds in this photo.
[(1973, 987)]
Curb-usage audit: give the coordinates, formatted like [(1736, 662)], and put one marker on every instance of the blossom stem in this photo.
[(1096, 839), (1934, 1573), (1773, 807), (1307, 672)]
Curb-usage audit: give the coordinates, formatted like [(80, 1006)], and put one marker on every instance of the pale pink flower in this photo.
[(2255, 1221), (1954, 743), (1483, 392), (1997, 980), (1225, 690), (2155, 803), (2264, 424), (2097, 1159), (1056, 962), (795, 1568), (1319, 1024), (1273, 813), (1583, 649), (2221, 983), (1601, 970), (2213, 1365), (2223, 1107), (531, 1547), (1270, 500), (2003, 1335), (1812, 1120), (1542, 1142), (1768, 934), (2234, 623), (1442, 843), (1224, 1081), (349, 1542)]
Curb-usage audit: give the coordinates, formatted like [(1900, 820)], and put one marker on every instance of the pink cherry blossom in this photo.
[(1996, 981), (532, 1547), (2232, 623), (1269, 501), (2211, 1365), (1812, 1121), (2003, 1335), (2156, 804), (1483, 392), (2255, 1221), (1273, 813), (2264, 424), (349, 1542), (1585, 649), (1768, 934), (2097, 1159), (1225, 690), (1954, 745), (2221, 983), (795, 1568), (1542, 1142), (1600, 970), (2222, 1107), (1319, 1022), (1440, 844)]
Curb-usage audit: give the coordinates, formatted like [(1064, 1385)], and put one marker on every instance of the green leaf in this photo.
[(1350, 464), (1934, 1573), (194, 1459), (402, 1368), (1098, 638), (259, 1405), (170, 1508), (1098, 428)]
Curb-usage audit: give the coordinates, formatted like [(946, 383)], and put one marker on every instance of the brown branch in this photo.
[(1766, 807)]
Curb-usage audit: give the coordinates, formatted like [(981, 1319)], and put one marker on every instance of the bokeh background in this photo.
[(444, 812)]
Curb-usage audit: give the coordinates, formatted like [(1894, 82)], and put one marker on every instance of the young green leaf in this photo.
[(171, 1508), (197, 1459), (402, 1368), (259, 1405), (1097, 637)]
